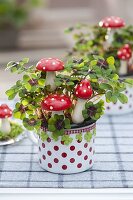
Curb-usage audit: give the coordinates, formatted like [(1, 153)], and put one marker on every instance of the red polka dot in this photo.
[(79, 165), (64, 155), (56, 160), (72, 148), (39, 148), (64, 167), (86, 157), (49, 165), (79, 153), (49, 140), (56, 148), (90, 149), (49, 153), (44, 157), (72, 160), (62, 142), (43, 145), (90, 162), (85, 145), (78, 141)]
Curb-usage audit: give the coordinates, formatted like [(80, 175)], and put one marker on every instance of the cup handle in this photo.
[(31, 135)]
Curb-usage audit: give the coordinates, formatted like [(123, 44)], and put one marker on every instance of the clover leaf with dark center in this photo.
[(57, 124), (31, 123), (93, 111)]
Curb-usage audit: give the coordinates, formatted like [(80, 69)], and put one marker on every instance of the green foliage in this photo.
[(66, 139), (91, 40), (88, 136), (16, 130), (31, 90), (14, 13), (94, 132), (93, 111), (57, 124), (79, 137), (44, 136), (32, 123)]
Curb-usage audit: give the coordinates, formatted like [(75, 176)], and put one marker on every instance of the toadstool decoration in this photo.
[(56, 103), (111, 23), (50, 66), (83, 91), (124, 54), (5, 112)]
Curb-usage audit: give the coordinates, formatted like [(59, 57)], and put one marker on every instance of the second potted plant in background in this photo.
[(111, 37)]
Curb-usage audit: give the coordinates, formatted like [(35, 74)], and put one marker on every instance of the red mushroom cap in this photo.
[(56, 102), (5, 111), (84, 90), (112, 22), (125, 52), (50, 64)]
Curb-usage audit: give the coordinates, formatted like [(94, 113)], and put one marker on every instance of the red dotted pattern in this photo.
[(43, 145), (64, 155), (72, 160), (64, 167), (72, 148), (56, 160), (56, 148), (79, 153), (49, 153)]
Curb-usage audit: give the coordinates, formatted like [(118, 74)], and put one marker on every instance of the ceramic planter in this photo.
[(77, 157), (119, 108)]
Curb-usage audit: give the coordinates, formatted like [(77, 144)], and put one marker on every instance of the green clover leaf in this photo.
[(88, 136)]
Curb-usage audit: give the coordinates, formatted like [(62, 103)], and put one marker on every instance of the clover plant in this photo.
[(32, 90)]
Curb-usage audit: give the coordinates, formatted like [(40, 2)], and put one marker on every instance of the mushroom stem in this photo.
[(50, 80), (110, 36), (123, 67), (57, 113), (5, 126), (77, 116)]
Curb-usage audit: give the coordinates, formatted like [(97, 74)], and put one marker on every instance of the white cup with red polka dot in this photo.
[(56, 157), (119, 108)]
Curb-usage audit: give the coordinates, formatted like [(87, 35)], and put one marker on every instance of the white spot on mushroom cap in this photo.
[(80, 84), (5, 110), (84, 90), (116, 21), (45, 101), (89, 87), (76, 92), (123, 57), (109, 19), (53, 63), (119, 53), (100, 23), (62, 100), (44, 68), (53, 99), (128, 55), (124, 51), (106, 24), (51, 107)]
